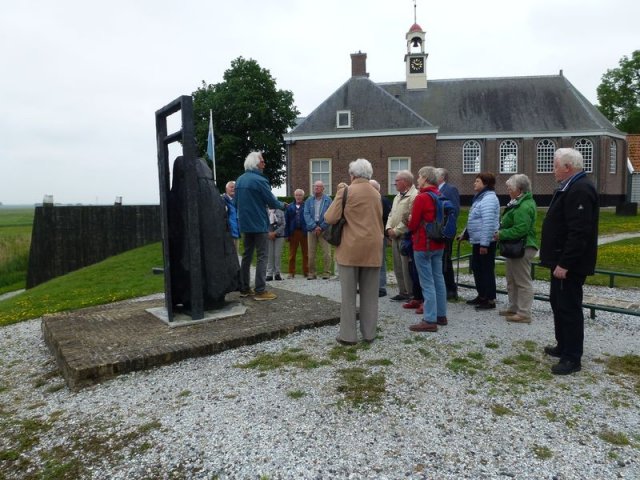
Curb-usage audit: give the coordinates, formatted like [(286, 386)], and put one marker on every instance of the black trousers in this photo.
[(568, 317), (484, 271), (447, 267)]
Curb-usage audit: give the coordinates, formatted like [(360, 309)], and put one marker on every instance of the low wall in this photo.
[(66, 238)]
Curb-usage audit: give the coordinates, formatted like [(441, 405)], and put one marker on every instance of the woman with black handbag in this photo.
[(517, 243), (359, 254)]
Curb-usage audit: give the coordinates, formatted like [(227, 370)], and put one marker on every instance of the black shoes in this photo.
[(486, 305), (278, 277), (552, 351), (476, 301), (566, 367), (382, 293), (452, 295), (400, 298), (268, 278), (346, 343)]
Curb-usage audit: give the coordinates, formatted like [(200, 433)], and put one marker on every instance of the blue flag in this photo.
[(211, 146)]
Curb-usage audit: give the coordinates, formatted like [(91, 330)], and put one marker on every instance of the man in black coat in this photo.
[(569, 248), (451, 192)]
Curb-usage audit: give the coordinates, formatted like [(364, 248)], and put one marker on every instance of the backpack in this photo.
[(444, 226)]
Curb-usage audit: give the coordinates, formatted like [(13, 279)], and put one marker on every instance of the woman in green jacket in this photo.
[(518, 221)]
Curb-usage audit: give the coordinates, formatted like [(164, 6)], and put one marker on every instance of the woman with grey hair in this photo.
[(359, 253), (518, 221), (427, 254)]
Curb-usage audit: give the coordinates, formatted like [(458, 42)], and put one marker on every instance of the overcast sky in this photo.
[(80, 80)]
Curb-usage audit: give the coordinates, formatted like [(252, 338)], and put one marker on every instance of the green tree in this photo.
[(249, 113), (619, 94)]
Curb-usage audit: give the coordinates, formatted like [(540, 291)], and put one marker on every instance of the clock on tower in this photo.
[(416, 65)]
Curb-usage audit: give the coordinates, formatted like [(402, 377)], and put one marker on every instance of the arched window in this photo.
[(613, 154), (471, 155), (544, 156), (508, 157), (585, 147)]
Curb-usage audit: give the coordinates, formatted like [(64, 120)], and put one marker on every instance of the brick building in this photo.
[(503, 125)]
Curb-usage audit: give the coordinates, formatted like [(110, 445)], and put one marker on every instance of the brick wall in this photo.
[(425, 150)]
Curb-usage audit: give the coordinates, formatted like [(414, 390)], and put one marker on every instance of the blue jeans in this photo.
[(429, 266)]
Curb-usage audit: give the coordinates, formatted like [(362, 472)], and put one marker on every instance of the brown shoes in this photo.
[(517, 318), (442, 321), (424, 327), (506, 313), (412, 304)]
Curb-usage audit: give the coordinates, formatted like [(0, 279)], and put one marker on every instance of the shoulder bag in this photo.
[(512, 248), (333, 233)]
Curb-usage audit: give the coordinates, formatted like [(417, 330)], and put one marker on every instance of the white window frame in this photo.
[(613, 157), (545, 150), (343, 125), (508, 156), (323, 174), (471, 157), (585, 147), (393, 171)]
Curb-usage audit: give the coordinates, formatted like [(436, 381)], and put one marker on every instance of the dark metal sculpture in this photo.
[(200, 260)]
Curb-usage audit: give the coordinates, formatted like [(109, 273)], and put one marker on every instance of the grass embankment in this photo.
[(120, 277), (15, 240), (129, 275)]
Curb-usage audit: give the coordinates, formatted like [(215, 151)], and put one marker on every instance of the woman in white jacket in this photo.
[(483, 223)]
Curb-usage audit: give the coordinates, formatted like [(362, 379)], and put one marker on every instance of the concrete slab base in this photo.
[(97, 343), (232, 309)]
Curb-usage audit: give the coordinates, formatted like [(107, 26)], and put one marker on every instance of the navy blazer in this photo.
[(451, 192)]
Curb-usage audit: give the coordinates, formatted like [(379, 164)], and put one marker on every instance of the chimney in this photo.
[(359, 65)]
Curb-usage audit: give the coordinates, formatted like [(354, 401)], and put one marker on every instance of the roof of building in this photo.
[(541, 105), (372, 109), (633, 142)]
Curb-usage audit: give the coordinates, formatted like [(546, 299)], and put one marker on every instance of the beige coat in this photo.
[(361, 244), (398, 218)]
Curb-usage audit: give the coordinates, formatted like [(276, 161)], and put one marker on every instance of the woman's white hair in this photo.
[(252, 161), (361, 168), (429, 174), (519, 181)]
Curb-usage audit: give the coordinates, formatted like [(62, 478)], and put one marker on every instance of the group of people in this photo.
[(423, 265), (266, 223)]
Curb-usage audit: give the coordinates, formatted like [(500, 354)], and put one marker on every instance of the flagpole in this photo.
[(211, 145)]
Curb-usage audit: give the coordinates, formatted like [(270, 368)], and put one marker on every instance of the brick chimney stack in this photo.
[(359, 65)]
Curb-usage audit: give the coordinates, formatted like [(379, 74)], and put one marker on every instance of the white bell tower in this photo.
[(416, 59)]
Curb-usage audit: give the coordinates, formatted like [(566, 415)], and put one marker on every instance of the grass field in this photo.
[(15, 240), (129, 275)]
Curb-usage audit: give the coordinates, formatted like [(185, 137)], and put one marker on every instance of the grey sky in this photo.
[(81, 80)]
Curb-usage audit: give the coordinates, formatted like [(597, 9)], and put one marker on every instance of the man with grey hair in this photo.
[(253, 197), (395, 229), (232, 213), (451, 192), (569, 248), (297, 233), (314, 209)]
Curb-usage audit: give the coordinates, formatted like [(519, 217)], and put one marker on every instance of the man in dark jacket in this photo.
[(386, 209), (451, 192), (569, 248)]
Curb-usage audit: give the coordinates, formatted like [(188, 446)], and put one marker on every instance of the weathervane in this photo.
[(415, 18)]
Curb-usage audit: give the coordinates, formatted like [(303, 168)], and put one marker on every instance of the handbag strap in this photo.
[(344, 200)]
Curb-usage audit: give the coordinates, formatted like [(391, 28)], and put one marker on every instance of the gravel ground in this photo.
[(474, 400)]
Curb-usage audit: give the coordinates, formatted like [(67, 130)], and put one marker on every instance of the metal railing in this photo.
[(538, 296)]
